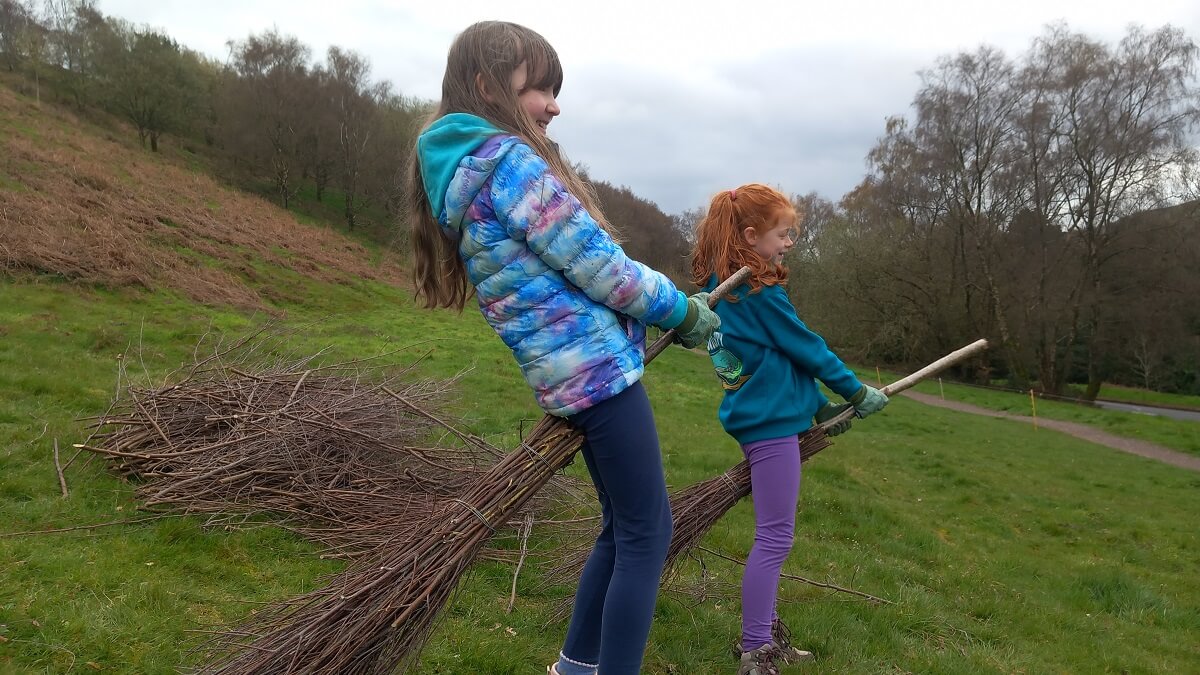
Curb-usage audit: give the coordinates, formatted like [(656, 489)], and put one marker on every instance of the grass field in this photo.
[(1123, 394), (1002, 549), (1114, 392), (1180, 435)]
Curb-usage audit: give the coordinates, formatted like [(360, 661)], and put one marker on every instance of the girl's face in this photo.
[(775, 239), (540, 104)]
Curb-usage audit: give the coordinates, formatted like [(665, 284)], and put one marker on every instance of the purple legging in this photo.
[(775, 479)]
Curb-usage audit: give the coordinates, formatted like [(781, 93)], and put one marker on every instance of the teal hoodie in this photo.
[(442, 146), (768, 362)]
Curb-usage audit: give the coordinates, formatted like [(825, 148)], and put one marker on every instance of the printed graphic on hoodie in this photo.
[(726, 363)]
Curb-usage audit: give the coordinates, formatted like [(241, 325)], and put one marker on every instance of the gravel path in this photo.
[(1083, 431)]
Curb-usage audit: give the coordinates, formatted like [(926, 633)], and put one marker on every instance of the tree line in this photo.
[(1045, 202)]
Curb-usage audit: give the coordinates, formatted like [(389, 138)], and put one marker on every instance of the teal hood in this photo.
[(442, 146)]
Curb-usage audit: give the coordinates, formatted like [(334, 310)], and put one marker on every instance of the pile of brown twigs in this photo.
[(345, 453)]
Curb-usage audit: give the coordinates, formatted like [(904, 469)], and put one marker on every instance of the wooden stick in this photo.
[(975, 348), (803, 580), (736, 279), (957, 356), (512, 598), (5, 535), (62, 480)]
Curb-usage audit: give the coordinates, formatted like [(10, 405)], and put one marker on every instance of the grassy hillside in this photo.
[(82, 203), (1000, 548)]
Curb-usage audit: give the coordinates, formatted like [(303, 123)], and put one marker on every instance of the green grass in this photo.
[(1181, 435), (1115, 392), (1123, 394), (374, 227), (10, 184), (1002, 549)]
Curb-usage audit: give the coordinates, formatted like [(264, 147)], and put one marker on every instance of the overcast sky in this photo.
[(679, 100)]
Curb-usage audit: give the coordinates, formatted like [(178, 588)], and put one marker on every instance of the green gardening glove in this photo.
[(830, 411), (699, 323), (868, 400)]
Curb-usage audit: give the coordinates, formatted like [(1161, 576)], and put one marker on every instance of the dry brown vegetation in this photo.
[(85, 205)]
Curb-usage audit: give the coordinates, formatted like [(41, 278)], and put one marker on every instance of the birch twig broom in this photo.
[(378, 613), (697, 508)]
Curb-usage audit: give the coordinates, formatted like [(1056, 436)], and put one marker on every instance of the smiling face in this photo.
[(773, 240), (539, 104)]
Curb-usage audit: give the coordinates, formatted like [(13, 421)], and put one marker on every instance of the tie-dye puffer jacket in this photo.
[(556, 288)]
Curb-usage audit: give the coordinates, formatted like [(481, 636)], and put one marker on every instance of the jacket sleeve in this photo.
[(534, 206), (804, 348)]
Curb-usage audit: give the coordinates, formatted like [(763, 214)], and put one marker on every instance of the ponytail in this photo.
[(721, 249)]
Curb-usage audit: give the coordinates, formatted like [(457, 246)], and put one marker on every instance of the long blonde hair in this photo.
[(488, 51), (720, 247)]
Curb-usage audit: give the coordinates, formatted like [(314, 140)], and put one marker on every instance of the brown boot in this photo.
[(759, 661), (788, 653), (782, 637)]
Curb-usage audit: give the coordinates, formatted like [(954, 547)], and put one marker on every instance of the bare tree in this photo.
[(31, 45), (150, 80), (355, 103), (1125, 116), (267, 107), (686, 221), (319, 150), (75, 28), (916, 287), (815, 214), (15, 20), (397, 122), (964, 133)]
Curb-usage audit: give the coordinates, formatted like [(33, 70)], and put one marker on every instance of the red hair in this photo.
[(721, 248)]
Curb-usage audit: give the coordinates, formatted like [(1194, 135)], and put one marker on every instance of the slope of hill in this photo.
[(79, 203)]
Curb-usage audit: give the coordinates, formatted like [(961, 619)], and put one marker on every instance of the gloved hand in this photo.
[(868, 400), (830, 411), (699, 323)]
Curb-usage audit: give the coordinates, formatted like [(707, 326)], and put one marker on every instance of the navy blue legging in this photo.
[(614, 605)]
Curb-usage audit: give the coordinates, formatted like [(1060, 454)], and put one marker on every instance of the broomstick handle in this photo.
[(724, 287), (956, 356)]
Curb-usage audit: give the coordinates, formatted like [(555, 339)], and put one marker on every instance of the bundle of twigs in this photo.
[(379, 612), (694, 510), (344, 453), (697, 508)]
